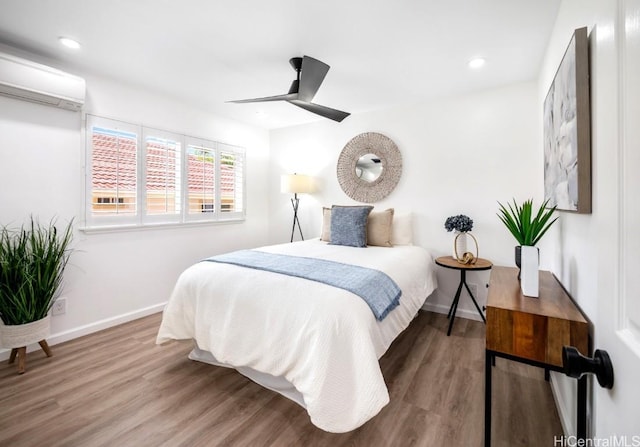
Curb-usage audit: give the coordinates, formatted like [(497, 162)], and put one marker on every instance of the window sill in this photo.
[(97, 229)]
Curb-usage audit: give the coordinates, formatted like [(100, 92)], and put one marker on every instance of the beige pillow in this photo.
[(325, 235), (379, 228)]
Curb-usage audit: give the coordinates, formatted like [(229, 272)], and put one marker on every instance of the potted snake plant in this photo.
[(32, 261), (527, 226)]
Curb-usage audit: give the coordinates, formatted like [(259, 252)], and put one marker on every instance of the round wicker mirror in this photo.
[(374, 148)]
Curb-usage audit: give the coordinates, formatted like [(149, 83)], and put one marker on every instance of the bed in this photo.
[(314, 343)]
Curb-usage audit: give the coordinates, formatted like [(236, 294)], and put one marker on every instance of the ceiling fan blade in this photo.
[(311, 77), (287, 97), (327, 112), (310, 74)]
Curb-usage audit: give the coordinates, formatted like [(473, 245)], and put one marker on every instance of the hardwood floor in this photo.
[(117, 388)]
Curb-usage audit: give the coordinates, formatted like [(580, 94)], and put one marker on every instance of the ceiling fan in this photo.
[(310, 74)]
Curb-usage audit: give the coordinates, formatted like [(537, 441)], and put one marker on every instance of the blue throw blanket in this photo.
[(379, 291)]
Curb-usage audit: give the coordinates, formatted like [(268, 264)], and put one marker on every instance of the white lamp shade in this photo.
[(296, 184)]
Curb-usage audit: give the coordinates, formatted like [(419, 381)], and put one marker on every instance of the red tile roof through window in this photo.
[(114, 167)]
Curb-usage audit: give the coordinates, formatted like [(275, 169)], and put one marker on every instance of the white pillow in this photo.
[(402, 229), (325, 234)]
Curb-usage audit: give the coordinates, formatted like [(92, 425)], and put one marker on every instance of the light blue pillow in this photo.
[(349, 225)]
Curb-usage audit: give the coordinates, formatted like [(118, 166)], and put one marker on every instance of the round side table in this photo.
[(451, 263)]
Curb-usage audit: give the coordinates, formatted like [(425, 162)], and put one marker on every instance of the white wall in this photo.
[(577, 260), (117, 276), (460, 155)]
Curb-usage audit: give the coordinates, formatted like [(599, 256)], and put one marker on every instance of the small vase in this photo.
[(518, 257), (529, 271), (459, 245)]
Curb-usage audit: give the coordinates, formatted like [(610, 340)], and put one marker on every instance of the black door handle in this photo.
[(576, 365)]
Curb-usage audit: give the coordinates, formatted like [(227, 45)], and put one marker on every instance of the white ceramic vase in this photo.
[(529, 261), (459, 244)]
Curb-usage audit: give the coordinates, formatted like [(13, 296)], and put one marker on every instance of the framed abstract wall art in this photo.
[(567, 131)]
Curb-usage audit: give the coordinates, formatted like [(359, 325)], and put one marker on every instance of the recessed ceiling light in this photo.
[(476, 63), (69, 43)]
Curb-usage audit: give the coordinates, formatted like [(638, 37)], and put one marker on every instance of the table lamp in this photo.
[(296, 184)]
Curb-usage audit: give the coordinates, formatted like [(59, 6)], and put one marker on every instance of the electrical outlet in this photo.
[(59, 307), (474, 289)]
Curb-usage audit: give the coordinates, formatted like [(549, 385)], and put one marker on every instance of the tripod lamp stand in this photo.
[(296, 184)]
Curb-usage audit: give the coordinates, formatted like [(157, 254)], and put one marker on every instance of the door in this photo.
[(617, 325)]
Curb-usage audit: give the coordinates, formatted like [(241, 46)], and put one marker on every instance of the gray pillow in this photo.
[(349, 225)]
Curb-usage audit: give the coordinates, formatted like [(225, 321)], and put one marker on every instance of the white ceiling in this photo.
[(382, 53)]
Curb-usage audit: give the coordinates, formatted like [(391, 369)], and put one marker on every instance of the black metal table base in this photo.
[(490, 358), (454, 305)]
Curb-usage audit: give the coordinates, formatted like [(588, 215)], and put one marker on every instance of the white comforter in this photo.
[(324, 340)]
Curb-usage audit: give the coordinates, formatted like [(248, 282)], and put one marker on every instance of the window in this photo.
[(113, 190), (163, 175), (231, 180), (105, 200), (201, 167), (138, 175)]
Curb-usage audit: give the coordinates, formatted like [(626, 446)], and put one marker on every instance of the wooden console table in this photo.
[(532, 331)]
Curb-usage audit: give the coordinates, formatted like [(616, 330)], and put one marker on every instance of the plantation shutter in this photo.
[(231, 181), (201, 179), (163, 176), (113, 160), (138, 176)]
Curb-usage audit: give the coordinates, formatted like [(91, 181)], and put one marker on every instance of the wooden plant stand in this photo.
[(21, 353)]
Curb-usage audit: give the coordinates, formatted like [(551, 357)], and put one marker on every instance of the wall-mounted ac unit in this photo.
[(23, 79)]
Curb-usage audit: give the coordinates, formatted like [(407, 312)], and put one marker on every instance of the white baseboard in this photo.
[(90, 328), (444, 309)]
